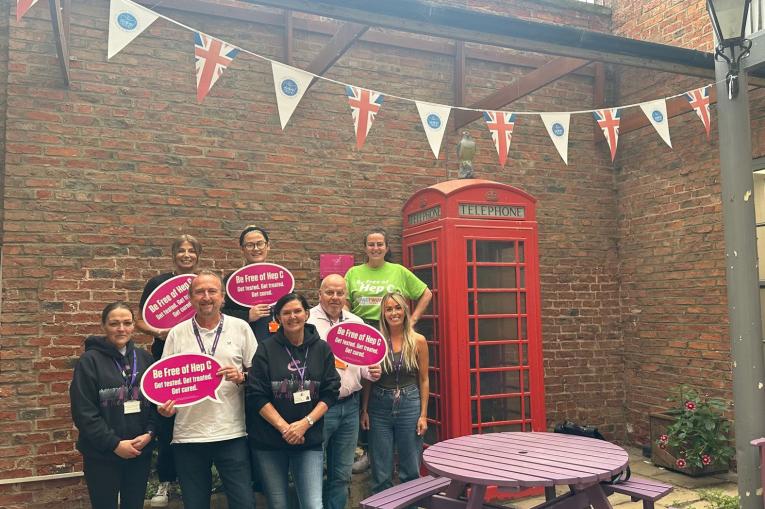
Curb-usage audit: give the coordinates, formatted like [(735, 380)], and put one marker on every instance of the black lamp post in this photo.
[(729, 23)]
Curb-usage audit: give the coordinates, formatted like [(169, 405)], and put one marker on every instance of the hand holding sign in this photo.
[(259, 283), (184, 378), (357, 344)]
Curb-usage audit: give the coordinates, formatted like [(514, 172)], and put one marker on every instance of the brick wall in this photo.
[(99, 176)]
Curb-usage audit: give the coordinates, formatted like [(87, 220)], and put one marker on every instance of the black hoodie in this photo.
[(98, 394), (273, 380)]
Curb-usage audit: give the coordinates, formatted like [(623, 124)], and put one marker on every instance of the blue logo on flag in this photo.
[(657, 116), (127, 21), (558, 129), (434, 121), (289, 87)]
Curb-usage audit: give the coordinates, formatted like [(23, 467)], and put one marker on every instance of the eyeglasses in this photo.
[(255, 245)]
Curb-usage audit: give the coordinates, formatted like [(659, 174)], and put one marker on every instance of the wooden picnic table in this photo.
[(524, 460)]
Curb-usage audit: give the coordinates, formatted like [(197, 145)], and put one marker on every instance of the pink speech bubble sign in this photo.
[(357, 344), (186, 378), (169, 303), (259, 283)]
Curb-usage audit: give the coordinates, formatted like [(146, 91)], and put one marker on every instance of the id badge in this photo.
[(301, 397), (132, 407), (340, 364)]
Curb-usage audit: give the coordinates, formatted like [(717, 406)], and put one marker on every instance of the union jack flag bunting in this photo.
[(365, 104), (699, 100), (500, 124), (22, 6), (608, 120), (213, 56)]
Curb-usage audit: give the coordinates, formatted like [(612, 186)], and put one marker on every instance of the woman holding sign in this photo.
[(115, 420), (367, 283), (291, 385), (254, 243), (186, 251), (395, 409)]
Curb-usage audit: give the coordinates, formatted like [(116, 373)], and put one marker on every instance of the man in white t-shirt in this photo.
[(212, 432)]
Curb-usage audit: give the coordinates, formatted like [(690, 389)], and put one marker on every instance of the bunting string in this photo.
[(213, 56)]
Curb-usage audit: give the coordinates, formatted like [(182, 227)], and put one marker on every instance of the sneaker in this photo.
[(160, 498), (361, 464)]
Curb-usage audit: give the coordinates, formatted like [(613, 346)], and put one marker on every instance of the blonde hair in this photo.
[(409, 345)]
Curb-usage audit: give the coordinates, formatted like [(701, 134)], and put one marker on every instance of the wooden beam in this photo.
[(288, 33), (459, 74), (60, 32), (345, 36), (553, 70), (598, 94), (438, 20), (438, 46)]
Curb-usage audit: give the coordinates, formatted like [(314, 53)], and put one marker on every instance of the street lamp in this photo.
[(729, 23)]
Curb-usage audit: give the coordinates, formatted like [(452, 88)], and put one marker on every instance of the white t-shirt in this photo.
[(208, 421)]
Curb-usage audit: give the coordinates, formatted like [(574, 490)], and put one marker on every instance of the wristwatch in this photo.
[(310, 421)]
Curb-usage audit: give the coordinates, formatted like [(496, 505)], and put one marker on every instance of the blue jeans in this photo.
[(193, 462), (341, 432), (394, 425), (307, 469)]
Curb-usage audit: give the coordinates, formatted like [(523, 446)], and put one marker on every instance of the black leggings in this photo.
[(107, 478)]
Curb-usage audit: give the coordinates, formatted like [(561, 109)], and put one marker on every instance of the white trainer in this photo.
[(160, 499)]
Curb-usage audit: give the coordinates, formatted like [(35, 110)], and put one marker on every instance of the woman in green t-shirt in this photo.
[(370, 281)]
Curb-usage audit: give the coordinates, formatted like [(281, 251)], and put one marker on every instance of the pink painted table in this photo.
[(525, 460)]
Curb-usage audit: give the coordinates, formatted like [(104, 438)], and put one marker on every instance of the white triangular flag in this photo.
[(656, 111), (434, 118), (290, 84), (557, 127), (126, 22)]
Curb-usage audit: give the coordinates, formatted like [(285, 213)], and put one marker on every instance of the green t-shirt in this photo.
[(367, 286)]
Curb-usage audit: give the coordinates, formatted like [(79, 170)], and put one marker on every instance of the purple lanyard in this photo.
[(397, 364), (132, 377), (301, 371), (199, 337)]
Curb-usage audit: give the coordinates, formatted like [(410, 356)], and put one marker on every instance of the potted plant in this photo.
[(692, 438)]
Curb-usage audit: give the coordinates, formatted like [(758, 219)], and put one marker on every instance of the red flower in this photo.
[(690, 405), (663, 439), (680, 463), (706, 459)]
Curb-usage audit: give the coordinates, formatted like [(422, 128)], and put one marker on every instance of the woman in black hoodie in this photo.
[(291, 385), (115, 421)]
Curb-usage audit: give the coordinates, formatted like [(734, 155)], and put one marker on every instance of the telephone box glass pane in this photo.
[(521, 253), (470, 250), (524, 332), (426, 275), (523, 302), (497, 329), (502, 303), (502, 427), (422, 254), (435, 386), (504, 409), (500, 382), (496, 277), (523, 277), (470, 278), (495, 251), (496, 356)]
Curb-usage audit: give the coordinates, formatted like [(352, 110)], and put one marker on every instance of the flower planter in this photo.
[(659, 422)]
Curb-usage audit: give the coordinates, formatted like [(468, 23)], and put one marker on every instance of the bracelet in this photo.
[(310, 421)]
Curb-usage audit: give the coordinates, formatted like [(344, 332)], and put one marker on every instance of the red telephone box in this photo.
[(474, 242)]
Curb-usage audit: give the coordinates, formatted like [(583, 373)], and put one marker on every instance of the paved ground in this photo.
[(685, 495)]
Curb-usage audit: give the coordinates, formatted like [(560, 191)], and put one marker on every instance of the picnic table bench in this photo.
[(647, 490), (407, 493)]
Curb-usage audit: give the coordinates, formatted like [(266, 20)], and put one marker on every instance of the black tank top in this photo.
[(405, 377)]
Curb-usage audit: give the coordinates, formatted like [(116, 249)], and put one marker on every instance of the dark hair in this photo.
[(111, 307), (289, 298), (388, 256), (252, 228), (180, 239)]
